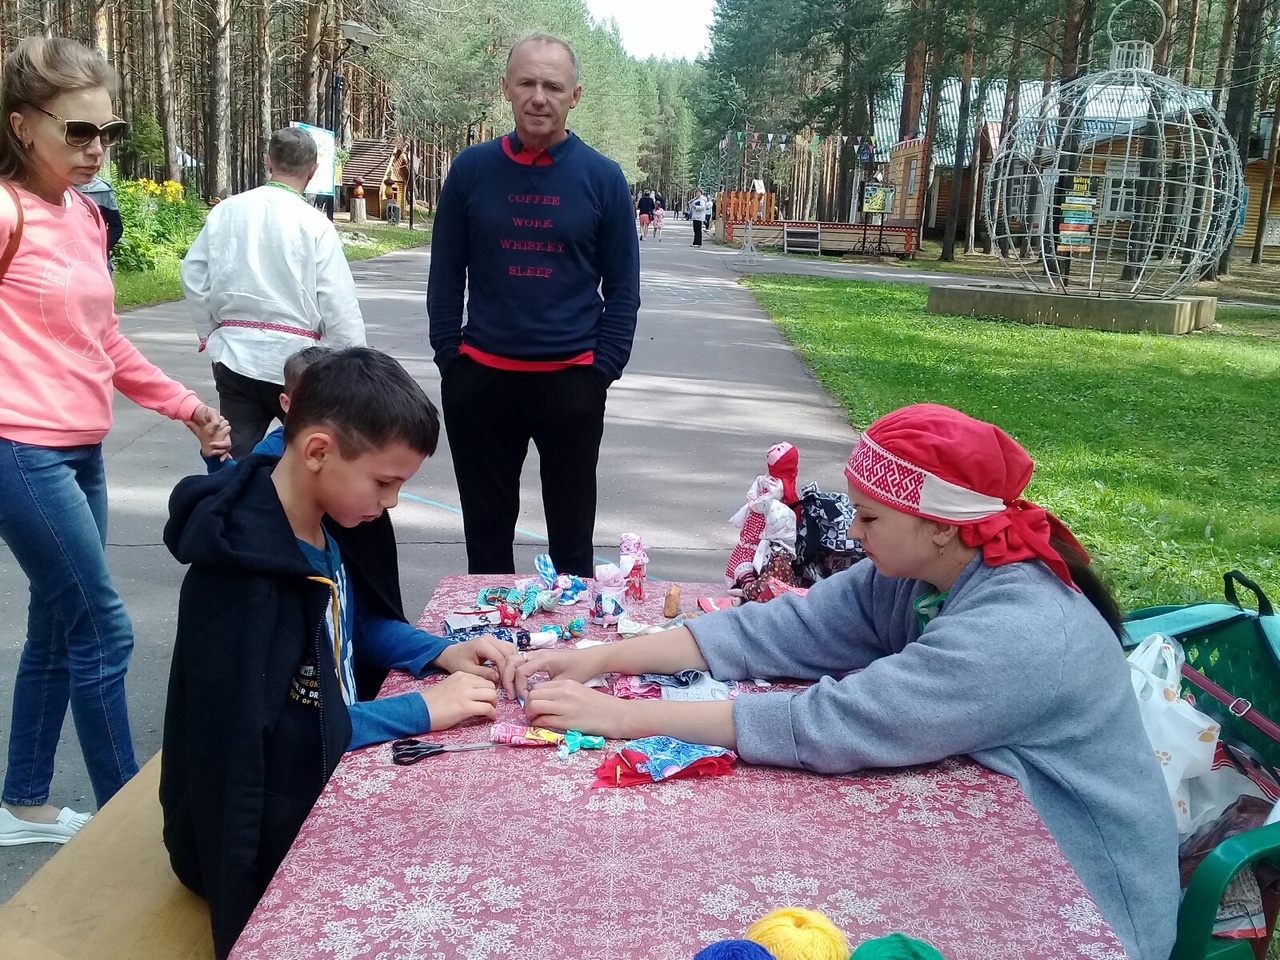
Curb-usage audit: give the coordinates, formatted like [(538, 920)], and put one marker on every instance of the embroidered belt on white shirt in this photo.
[(263, 325)]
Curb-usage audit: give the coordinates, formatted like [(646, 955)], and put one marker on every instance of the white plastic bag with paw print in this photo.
[(1183, 738)]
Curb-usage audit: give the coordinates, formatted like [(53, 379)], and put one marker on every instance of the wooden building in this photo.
[(375, 162)]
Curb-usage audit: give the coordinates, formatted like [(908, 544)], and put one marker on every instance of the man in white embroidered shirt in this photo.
[(265, 278)]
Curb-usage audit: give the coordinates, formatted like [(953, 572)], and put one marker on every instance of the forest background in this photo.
[(204, 82)]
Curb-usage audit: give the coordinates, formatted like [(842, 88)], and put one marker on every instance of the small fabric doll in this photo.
[(634, 563), (783, 461), (768, 518)]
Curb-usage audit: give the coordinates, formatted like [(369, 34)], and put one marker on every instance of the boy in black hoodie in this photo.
[(289, 619)]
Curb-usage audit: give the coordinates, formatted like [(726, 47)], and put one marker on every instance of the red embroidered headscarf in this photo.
[(937, 463)]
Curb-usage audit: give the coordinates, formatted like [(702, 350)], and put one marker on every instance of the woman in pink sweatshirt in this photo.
[(61, 355)]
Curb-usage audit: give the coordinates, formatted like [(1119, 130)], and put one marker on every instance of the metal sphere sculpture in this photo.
[(1119, 184)]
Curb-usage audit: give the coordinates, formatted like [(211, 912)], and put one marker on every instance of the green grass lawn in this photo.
[(163, 283), (1253, 321), (1156, 451)]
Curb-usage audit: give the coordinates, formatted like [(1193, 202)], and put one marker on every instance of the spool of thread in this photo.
[(733, 950), (793, 933), (896, 946), (671, 603)]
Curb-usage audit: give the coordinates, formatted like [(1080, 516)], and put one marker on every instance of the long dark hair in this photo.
[(1090, 584)]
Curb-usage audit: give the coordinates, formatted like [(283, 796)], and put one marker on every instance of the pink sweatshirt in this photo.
[(61, 349)]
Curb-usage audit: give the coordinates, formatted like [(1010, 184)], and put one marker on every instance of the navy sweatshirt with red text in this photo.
[(545, 252)]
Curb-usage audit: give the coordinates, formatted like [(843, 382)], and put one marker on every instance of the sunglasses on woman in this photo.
[(81, 133)]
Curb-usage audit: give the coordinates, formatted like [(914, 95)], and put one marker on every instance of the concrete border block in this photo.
[(1118, 314)]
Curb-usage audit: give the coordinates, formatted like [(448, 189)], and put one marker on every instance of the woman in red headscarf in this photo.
[(976, 628)]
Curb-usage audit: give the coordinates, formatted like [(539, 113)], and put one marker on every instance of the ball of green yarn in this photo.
[(896, 946)]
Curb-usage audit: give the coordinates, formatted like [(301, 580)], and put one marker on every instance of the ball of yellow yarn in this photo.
[(793, 933)]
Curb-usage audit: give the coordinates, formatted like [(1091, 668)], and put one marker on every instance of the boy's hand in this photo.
[(473, 656), (214, 434), (458, 697)]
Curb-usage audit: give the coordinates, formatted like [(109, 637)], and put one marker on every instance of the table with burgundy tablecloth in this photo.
[(510, 853)]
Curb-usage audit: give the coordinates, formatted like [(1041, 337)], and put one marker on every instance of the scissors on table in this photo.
[(409, 750)]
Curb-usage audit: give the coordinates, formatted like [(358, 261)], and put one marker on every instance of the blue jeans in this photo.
[(53, 516)]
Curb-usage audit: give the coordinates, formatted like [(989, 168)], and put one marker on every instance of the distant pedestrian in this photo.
[(644, 207), (659, 215), (101, 193), (698, 211)]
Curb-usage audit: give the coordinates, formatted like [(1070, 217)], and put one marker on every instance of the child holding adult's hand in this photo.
[(214, 434)]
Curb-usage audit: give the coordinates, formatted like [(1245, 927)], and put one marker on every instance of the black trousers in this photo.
[(491, 415), (249, 404), (697, 231)]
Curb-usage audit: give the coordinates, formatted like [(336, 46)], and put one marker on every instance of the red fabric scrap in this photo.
[(621, 769)]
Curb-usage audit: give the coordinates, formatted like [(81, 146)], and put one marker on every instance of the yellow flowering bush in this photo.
[(160, 221)]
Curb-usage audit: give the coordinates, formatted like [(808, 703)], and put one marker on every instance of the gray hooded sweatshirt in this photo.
[(1018, 670)]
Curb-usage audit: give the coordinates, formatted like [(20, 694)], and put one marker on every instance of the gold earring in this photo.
[(941, 549)]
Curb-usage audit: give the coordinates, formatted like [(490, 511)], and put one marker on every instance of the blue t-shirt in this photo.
[(384, 642)]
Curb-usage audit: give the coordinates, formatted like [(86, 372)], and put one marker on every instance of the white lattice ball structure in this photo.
[(1120, 184)]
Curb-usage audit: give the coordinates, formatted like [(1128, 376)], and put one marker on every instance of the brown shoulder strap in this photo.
[(15, 238)]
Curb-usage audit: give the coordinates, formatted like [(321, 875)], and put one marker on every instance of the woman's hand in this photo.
[(203, 416), (579, 665), (474, 656), (568, 705)]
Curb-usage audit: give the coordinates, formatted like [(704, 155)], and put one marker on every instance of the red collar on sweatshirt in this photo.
[(514, 149), (521, 154)]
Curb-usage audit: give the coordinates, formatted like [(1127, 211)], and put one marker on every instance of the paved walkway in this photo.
[(711, 385)]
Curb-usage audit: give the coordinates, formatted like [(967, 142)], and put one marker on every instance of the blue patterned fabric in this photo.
[(668, 756)]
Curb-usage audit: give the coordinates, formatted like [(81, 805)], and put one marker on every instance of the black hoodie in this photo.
[(244, 759)]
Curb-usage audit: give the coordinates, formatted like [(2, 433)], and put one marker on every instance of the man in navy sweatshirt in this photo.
[(537, 230)]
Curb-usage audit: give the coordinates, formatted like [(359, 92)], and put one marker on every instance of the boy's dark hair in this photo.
[(367, 399), (299, 362)]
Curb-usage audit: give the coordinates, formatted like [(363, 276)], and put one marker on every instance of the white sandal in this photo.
[(15, 831)]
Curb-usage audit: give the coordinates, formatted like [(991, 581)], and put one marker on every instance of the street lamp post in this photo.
[(354, 33)]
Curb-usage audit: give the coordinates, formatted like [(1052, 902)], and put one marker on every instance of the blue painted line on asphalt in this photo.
[(458, 510)]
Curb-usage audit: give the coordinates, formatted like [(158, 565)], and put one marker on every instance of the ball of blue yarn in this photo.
[(734, 950)]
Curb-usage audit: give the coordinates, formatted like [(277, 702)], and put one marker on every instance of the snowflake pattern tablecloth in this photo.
[(510, 853)]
